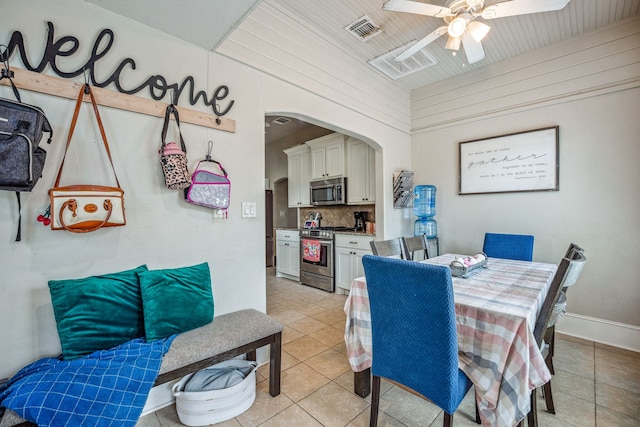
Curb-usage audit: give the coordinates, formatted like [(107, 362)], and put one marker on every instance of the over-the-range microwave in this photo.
[(326, 192)]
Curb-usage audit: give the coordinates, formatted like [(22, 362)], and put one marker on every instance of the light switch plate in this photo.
[(248, 209)]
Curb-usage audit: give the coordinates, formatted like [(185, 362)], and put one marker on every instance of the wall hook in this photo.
[(209, 149), (6, 72), (5, 56), (86, 80), (218, 121)]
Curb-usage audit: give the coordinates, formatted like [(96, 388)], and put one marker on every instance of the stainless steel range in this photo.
[(317, 257)]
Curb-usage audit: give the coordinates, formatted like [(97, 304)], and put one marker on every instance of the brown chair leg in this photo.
[(532, 417), (548, 398), (546, 389), (448, 420), (375, 401)]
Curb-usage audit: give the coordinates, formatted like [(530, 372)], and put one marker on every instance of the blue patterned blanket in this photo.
[(105, 388)]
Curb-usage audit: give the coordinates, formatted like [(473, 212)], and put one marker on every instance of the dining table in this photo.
[(496, 309)]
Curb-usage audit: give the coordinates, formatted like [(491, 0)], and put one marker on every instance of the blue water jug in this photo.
[(424, 201), (427, 226)]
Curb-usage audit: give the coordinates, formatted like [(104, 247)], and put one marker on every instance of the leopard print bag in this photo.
[(173, 159)]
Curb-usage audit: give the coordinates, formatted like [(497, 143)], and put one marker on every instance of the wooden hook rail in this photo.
[(57, 86)]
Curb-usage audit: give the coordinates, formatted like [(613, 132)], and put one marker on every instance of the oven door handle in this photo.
[(322, 242)]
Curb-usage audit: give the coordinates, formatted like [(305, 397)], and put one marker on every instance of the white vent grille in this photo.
[(386, 63), (363, 28), (281, 120)]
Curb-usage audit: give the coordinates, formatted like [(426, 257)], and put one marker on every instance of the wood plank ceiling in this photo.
[(508, 37)]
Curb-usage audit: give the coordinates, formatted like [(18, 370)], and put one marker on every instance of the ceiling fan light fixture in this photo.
[(478, 30), (457, 27), (453, 43)]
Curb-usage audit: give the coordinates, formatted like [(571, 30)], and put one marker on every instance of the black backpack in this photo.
[(21, 130)]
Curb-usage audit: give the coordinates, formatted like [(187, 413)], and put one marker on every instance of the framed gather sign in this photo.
[(522, 161)]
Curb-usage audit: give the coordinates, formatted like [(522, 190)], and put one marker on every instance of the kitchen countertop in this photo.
[(353, 233)]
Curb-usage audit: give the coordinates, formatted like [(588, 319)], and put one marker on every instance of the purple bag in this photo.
[(209, 189)]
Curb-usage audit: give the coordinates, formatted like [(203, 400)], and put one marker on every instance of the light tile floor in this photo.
[(594, 384)]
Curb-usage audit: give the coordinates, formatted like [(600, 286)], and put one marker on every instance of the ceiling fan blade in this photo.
[(472, 48), (521, 7), (412, 50), (417, 7)]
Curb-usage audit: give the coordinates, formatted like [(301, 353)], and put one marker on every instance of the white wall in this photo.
[(274, 40), (590, 88), (162, 230)]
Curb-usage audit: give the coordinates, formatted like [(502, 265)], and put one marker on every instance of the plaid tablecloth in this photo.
[(496, 310)]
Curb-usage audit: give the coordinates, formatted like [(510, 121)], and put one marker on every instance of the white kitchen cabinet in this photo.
[(288, 254), (361, 173), (299, 175), (327, 156), (349, 250)]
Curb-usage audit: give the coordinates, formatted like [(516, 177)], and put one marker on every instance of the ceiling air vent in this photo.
[(386, 63), (281, 120), (363, 28)]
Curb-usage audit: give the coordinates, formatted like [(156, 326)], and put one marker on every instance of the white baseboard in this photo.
[(600, 330), (159, 397), (287, 276)]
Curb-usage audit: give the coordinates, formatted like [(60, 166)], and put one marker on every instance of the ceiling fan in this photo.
[(463, 26)]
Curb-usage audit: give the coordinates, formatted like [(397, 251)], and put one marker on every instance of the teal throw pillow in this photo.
[(176, 300), (97, 312)]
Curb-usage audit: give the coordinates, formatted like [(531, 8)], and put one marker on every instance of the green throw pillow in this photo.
[(97, 312), (176, 300)]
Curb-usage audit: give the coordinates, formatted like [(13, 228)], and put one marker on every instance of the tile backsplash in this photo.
[(338, 216)]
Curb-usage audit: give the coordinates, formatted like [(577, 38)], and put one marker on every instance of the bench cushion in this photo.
[(225, 333)]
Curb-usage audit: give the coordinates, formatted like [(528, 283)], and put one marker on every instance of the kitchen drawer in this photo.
[(287, 235), (353, 241)]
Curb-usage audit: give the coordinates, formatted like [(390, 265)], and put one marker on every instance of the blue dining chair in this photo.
[(509, 246), (413, 327)]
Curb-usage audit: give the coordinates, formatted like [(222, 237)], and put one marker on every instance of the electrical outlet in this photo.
[(218, 214)]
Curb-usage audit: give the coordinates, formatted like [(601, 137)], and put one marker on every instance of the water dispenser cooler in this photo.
[(424, 207)]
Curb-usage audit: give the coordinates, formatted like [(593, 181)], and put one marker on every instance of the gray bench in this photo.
[(228, 336)]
